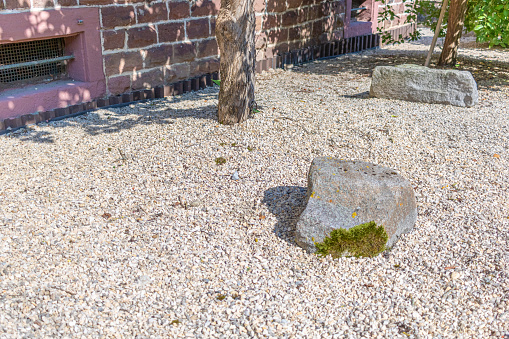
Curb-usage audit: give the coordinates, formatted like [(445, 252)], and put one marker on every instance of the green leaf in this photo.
[(217, 82)]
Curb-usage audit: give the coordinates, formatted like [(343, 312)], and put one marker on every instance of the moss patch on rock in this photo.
[(364, 240)]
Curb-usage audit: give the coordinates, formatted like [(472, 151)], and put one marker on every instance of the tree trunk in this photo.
[(457, 12), (235, 32)]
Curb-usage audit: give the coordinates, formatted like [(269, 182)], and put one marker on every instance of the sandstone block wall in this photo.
[(399, 23), (149, 43), (146, 44)]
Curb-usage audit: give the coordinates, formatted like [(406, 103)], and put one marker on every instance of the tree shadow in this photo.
[(362, 95), (286, 203), (113, 120), (489, 75)]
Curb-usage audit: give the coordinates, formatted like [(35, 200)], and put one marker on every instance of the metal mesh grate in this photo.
[(33, 60)]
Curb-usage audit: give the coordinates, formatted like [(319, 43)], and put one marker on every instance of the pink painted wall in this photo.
[(81, 27)]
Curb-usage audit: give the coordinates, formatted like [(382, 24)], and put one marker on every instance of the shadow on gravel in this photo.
[(362, 95), (489, 75), (112, 120), (286, 203)]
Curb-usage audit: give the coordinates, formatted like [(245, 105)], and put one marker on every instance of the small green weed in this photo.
[(220, 161)]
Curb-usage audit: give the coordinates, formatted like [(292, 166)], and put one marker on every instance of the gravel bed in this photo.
[(123, 222)]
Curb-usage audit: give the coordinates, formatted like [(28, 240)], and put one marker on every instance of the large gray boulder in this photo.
[(344, 194), (423, 84)]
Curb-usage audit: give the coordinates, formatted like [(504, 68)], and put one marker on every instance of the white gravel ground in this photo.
[(119, 223)]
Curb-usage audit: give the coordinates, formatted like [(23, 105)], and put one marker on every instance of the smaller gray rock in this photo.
[(235, 175), (195, 203), (423, 84), (344, 194)]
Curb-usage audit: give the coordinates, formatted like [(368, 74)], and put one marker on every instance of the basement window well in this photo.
[(32, 62), (49, 59)]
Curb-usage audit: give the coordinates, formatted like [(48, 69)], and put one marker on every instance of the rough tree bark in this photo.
[(455, 23), (235, 33)]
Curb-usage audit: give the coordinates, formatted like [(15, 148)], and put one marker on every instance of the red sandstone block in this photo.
[(294, 17), (271, 21), (37, 117), (178, 88), (60, 112), (176, 72), (184, 52), (276, 6), (137, 95), (267, 52), (259, 5), (294, 3), (48, 115), (159, 91), (317, 28), (168, 90), (103, 102), (66, 3), (74, 109), (315, 12), (179, 10), (207, 48), (91, 105), (187, 86), (115, 99), (299, 32), (96, 2), (170, 32), (43, 4), (198, 29), (149, 93), (119, 84), (281, 48), (148, 79), (153, 13), (13, 122), (258, 23), (121, 62), (28, 119), (158, 56), (205, 8), (277, 36), (127, 97), (141, 36), (261, 40), (203, 81), (115, 16), (258, 67), (195, 84), (325, 9), (204, 66), (17, 4), (114, 39)]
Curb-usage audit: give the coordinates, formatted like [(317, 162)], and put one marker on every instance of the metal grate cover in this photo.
[(39, 60)]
